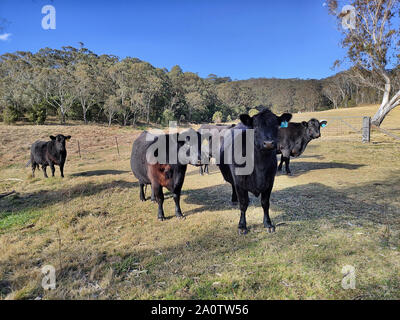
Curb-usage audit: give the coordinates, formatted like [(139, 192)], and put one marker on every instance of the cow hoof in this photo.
[(161, 218), (243, 231), (181, 217), (270, 229), (289, 174)]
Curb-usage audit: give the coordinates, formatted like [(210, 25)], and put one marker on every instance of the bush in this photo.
[(229, 118), (167, 116), (217, 116), (38, 113), (253, 112), (10, 115)]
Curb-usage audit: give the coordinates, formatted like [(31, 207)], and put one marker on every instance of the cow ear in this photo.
[(323, 123), (67, 137), (53, 138), (284, 119), (246, 120), (304, 123)]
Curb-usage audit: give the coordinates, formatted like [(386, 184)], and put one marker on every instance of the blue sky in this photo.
[(240, 39)]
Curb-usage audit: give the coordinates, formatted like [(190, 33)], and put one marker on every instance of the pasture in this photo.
[(340, 207)]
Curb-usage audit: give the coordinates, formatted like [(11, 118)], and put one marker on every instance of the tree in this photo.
[(54, 79), (371, 46), (217, 117), (86, 87), (112, 106), (167, 116), (253, 112), (331, 91)]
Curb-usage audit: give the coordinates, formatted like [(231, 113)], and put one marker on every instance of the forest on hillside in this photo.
[(77, 84)]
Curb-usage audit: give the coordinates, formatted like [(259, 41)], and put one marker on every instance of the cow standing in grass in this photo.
[(261, 180), (213, 130), (168, 174), (294, 139), (49, 153)]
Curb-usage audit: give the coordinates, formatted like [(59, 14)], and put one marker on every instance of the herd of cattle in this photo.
[(272, 135)]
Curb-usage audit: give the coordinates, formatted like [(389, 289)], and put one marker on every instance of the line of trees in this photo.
[(76, 83)]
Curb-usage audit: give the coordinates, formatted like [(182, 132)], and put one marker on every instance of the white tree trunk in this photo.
[(386, 105)]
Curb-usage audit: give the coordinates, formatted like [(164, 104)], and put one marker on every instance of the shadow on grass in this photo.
[(45, 198), (300, 167), (313, 201), (97, 173)]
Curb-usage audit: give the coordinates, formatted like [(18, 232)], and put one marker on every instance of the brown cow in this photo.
[(168, 175)]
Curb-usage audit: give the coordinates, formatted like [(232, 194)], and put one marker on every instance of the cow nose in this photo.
[(269, 145)]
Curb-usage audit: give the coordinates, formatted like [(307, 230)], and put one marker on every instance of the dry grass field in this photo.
[(341, 207)]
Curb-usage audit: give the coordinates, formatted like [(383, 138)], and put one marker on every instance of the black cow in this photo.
[(294, 138), (212, 128), (168, 174), (49, 153), (261, 180)]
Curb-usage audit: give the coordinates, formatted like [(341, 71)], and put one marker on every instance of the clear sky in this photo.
[(241, 39)]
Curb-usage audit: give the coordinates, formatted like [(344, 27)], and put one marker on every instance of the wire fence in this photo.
[(340, 126), (351, 127)]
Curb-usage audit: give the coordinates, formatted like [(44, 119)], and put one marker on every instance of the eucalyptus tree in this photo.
[(86, 81), (55, 80), (370, 34)]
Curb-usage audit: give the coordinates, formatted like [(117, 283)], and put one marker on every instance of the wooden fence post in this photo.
[(79, 150), (116, 141), (366, 129)]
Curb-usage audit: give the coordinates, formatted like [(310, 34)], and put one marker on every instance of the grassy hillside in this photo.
[(340, 208)]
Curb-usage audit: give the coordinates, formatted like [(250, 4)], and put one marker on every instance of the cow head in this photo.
[(313, 128), (60, 141), (265, 125)]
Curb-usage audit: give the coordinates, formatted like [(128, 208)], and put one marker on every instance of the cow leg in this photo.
[(142, 195), (44, 170), (52, 169), (159, 195), (62, 169), (265, 205), (244, 203), (178, 211), (33, 169), (201, 170), (153, 197), (234, 195), (206, 168), (281, 163), (287, 160)]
